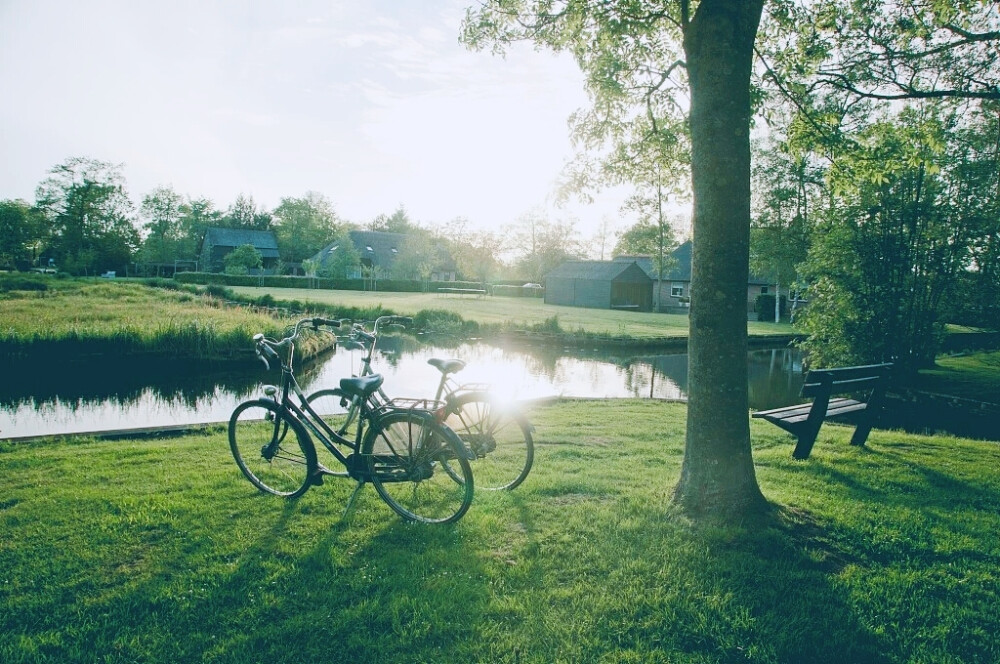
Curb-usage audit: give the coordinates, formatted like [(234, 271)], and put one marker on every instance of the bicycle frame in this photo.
[(308, 417)]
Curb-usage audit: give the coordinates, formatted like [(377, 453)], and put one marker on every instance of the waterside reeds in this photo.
[(71, 321)]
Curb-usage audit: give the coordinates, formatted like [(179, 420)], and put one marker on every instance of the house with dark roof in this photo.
[(379, 250), (600, 285), (675, 289), (218, 242)]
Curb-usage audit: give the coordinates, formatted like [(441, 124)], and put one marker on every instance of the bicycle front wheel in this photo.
[(499, 436), (418, 467), (272, 449)]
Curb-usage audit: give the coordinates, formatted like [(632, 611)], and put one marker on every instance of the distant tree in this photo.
[(417, 258), (477, 252), (197, 215), (397, 222), (242, 259), (244, 213), (599, 240), (161, 211), (303, 226), (779, 233), (649, 237), (541, 245), (341, 258), (22, 233), (90, 214)]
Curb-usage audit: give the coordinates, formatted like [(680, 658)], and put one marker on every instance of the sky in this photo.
[(371, 103)]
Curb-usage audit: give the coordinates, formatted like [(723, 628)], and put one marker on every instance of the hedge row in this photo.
[(275, 281)]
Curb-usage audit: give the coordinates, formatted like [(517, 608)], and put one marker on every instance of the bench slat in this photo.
[(832, 411), (785, 411)]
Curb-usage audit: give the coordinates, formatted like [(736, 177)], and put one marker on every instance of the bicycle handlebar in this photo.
[(269, 347)]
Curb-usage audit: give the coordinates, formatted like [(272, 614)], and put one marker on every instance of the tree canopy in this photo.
[(90, 215)]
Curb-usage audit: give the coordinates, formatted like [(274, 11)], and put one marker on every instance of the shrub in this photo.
[(23, 284), (437, 320)]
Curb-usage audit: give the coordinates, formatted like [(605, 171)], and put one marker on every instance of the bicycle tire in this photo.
[(274, 463), (334, 406), (499, 436), (418, 467)]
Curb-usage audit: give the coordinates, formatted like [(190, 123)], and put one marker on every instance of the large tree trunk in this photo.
[(718, 473)]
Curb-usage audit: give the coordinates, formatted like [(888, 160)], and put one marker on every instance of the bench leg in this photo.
[(806, 441), (861, 433)]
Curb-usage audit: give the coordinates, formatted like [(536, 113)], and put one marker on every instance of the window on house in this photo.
[(676, 291), (763, 290)]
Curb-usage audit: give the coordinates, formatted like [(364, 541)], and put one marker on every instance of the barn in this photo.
[(600, 285), (218, 242)]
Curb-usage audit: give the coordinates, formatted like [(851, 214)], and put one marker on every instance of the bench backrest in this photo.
[(844, 379)]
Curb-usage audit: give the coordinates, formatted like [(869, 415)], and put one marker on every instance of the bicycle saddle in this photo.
[(446, 366), (362, 387)]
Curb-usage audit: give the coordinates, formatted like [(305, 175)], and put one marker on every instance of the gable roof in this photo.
[(381, 248), (262, 241), (599, 271), (680, 269), (378, 247)]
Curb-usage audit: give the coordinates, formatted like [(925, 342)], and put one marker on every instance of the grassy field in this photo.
[(975, 376), (511, 312), (159, 551), (68, 318)]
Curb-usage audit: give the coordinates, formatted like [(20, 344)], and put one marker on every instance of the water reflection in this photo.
[(52, 402)]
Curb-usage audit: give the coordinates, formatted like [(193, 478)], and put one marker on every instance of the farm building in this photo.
[(379, 250), (600, 285), (218, 242), (675, 289)]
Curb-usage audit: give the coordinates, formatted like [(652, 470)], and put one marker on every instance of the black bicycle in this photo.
[(418, 465)]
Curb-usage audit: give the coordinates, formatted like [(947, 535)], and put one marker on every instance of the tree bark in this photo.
[(717, 475)]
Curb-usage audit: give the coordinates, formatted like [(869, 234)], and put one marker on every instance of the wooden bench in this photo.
[(867, 383)]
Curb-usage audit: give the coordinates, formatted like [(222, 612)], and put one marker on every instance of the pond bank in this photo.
[(673, 343)]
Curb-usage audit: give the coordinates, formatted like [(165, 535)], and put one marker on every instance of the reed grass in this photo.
[(74, 319), (159, 551)]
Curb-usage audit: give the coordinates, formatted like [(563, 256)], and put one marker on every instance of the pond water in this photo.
[(110, 398)]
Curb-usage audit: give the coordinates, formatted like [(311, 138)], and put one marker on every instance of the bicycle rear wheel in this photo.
[(418, 467), (499, 436), (272, 449)]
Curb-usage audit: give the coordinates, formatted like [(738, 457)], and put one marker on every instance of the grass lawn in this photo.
[(159, 551), (975, 376), (510, 311)]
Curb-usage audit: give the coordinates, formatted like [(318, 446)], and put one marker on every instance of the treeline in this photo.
[(84, 222)]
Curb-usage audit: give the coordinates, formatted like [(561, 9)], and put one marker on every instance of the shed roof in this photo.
[(680, 268), (262, 241), (599, 271)]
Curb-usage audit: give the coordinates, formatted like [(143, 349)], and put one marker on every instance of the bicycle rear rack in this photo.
[(430, 406)]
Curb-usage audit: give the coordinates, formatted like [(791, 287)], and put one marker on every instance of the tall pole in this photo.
[(659, 266)]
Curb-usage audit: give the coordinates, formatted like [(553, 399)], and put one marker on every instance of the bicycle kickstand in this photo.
[(354, 495)]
